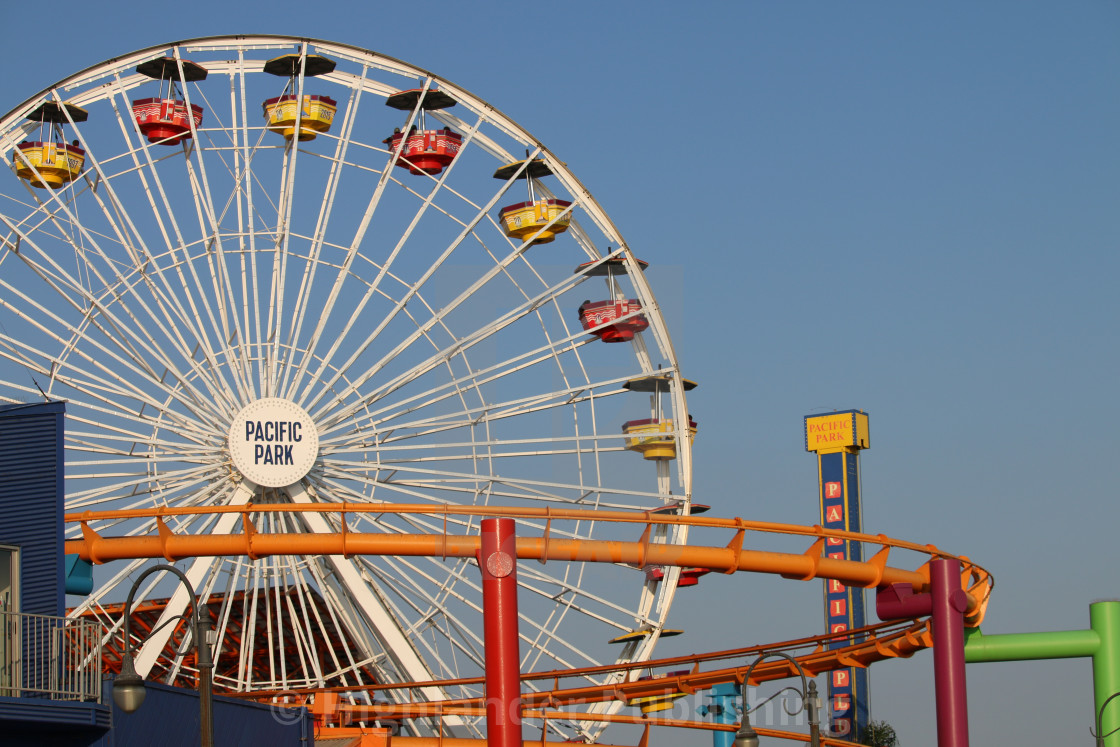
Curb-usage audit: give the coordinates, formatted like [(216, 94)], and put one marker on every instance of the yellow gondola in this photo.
[(51, 163), (654, 439), (542, 218), (316, 116), (48, 164), (314, 113), (658, 703), (525, 219)]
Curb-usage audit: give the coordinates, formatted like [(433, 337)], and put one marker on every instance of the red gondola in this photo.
[(424, 151), (167, 119), (598, 319)]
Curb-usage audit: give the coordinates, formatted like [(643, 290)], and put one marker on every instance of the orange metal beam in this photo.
[(557, 514), (802, 566), (731, 558)]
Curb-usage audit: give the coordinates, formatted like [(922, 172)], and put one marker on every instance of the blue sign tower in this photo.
[(837, 438)]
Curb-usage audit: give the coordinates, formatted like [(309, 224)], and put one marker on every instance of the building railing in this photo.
[(44, 656)]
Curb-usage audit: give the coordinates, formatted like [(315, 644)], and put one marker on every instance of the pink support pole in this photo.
[(949, 605), (498, 562)]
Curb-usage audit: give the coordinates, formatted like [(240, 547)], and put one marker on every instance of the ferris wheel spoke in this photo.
[(475, 380), (243, 149), (145, 171), (414, 611), (239, 138), (165, 301), (93, 601), (284, 627), (251, 308), (184, 429), (428, 484), (392, 430), (130, 360), (175, 242), (463, 343), (294, 374), (420, 524), (229, 326), (373, 288), (404, 576), (278, 286), (427, 202), (491, 447), (332, 668), (425, 608), (191, 484), (225, 611), (397, 645), (488, 450), (94, 309), (576, 598), (302, 629), (222, 323), (345, 616), (427, 274)]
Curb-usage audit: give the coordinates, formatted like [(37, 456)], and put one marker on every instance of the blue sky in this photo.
[(908, 209)]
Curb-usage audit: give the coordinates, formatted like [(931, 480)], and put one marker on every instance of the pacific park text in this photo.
[(270, 432)]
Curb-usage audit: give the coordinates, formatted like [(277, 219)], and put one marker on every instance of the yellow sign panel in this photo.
[(837, 431)]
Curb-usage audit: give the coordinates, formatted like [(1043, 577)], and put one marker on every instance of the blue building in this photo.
[(50, 667)]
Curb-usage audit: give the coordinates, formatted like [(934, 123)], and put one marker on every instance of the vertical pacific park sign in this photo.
[(837, 438), (273, 442)]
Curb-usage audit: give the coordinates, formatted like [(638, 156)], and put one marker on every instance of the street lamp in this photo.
[(128, 688), (1100, 716), (810, 703)]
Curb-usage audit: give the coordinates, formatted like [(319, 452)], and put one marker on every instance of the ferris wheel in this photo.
[(265, 270)]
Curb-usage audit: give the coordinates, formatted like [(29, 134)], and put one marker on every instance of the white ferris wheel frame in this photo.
[(361, 595)]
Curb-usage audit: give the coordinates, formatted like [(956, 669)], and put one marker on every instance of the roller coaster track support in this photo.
[(497, 559), (723, 698), (947, 604)]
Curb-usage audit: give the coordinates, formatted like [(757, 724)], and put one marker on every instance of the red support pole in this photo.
[(497, 559)]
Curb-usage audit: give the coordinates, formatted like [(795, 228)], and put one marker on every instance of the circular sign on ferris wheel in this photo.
[(273, 442)]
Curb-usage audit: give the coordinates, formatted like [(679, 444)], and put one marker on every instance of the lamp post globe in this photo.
[(746, 736), (128, 688)]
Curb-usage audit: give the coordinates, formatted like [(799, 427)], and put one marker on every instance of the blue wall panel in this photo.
[(169, 717), (31, 500)]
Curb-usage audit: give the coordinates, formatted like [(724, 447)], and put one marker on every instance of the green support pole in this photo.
[(1101, 643), (1104, 619)]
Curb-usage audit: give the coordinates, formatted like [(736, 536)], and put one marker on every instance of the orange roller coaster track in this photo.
[(871, 644), (876, 643), (730, 558)]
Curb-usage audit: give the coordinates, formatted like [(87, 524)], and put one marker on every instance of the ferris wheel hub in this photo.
[(273, 442)]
